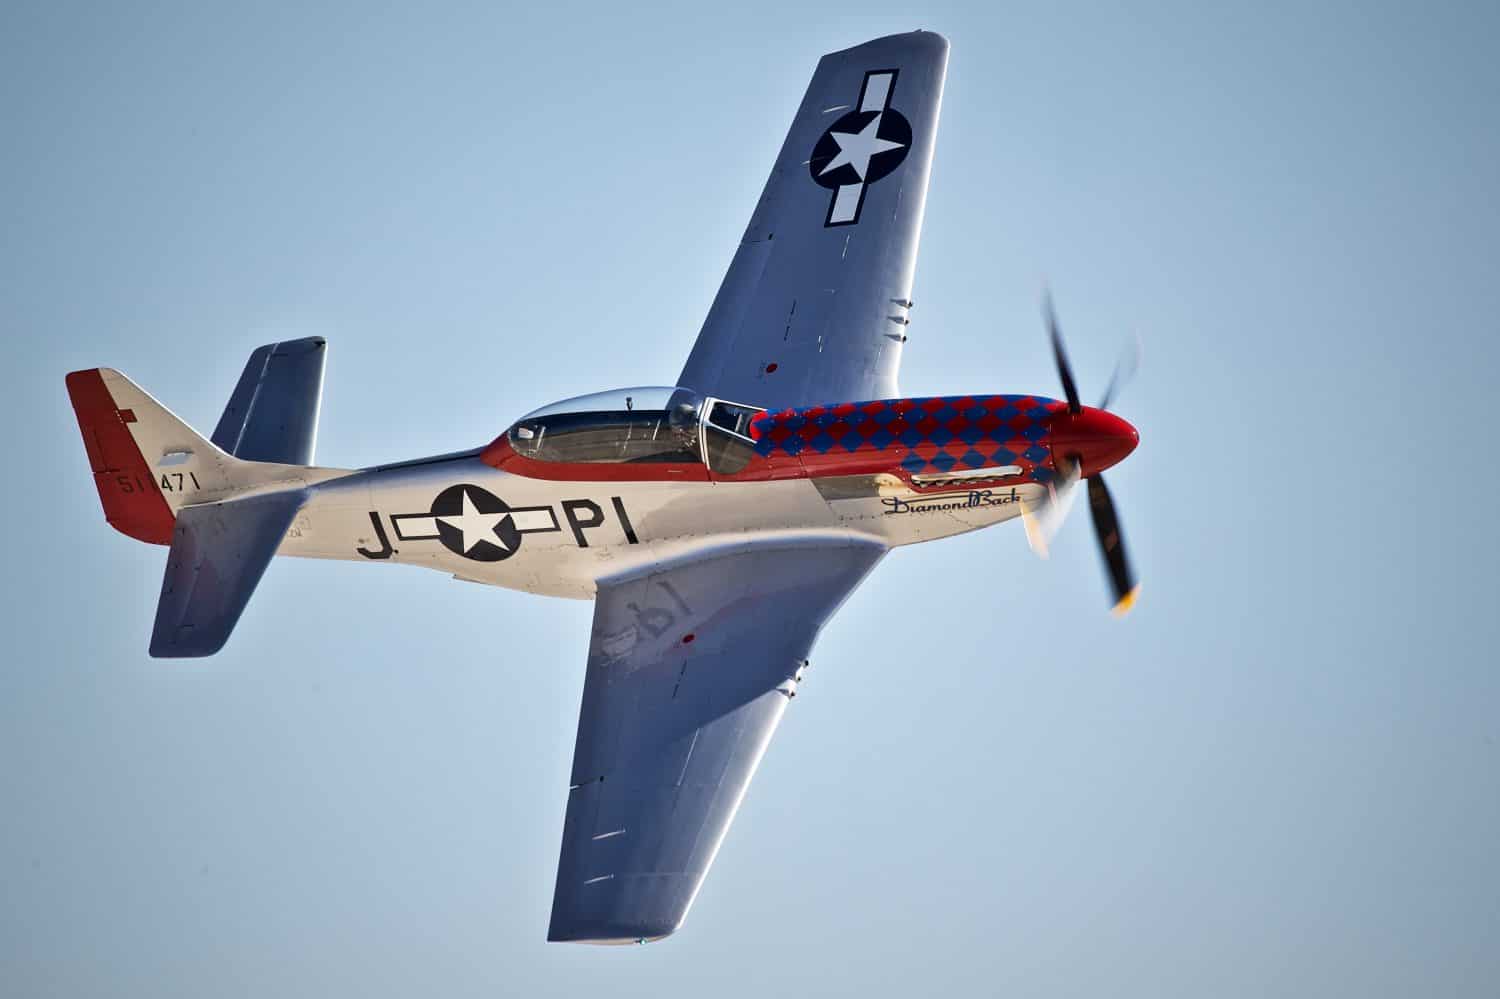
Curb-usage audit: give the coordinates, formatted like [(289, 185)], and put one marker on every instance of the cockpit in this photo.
[(639, 425)]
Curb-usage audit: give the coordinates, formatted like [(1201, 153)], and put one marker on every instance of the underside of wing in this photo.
[(690, 669), (815, 305)]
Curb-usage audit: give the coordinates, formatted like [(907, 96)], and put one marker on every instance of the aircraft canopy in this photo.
[(637, 425)]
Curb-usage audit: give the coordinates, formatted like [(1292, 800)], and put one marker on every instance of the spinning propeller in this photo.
[(1084, 442)]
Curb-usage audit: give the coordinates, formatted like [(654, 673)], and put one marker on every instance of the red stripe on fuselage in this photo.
[(133, 504), (499, 454)]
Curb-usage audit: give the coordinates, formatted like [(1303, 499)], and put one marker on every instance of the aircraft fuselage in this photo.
[(893, 471)]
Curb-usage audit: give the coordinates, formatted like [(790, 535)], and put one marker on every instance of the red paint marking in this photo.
[(499, 454), (1100, 438), (770, 368), (133, 504), (688, 638), (867, 456)]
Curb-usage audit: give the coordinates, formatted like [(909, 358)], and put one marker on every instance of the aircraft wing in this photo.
[(690, 668), (273, 413), (815, 305)]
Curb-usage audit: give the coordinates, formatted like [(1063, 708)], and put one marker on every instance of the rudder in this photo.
[(134, 503)]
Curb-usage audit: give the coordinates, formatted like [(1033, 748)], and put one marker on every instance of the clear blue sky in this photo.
[(1278, 777)]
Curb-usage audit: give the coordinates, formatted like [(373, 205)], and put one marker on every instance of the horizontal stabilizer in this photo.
[(273, 413), (219, 552)]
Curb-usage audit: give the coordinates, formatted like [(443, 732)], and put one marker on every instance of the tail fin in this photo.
[(223, 515), (146, 462)]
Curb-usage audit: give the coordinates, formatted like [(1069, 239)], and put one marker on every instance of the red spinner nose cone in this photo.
[(1099, 438)]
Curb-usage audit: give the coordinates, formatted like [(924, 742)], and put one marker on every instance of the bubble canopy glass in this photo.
[(640, 397), (636, 425), (643, 424)]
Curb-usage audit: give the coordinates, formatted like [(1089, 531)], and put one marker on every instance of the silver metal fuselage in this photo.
[(367, 516)]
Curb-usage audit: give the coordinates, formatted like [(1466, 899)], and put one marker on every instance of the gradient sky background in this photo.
[(1278, 777)]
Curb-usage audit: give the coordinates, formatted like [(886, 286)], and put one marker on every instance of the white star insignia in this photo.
[(475, 527), (858, 148)]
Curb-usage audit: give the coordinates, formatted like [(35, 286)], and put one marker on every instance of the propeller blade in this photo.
[(1064, 369), (1125, 369), (1043, 520), (1112, 546)]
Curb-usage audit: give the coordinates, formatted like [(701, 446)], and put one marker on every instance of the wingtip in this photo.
[(573, 937), (936, 39), (167, 648), (920, 37), (603, 931)]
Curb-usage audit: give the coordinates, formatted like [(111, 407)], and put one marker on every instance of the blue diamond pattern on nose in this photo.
[(866, 426)]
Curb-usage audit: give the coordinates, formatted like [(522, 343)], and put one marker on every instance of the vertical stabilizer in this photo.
[(134, 503)]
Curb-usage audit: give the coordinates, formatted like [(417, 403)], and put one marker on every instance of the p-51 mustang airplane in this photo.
[(717, 524)]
